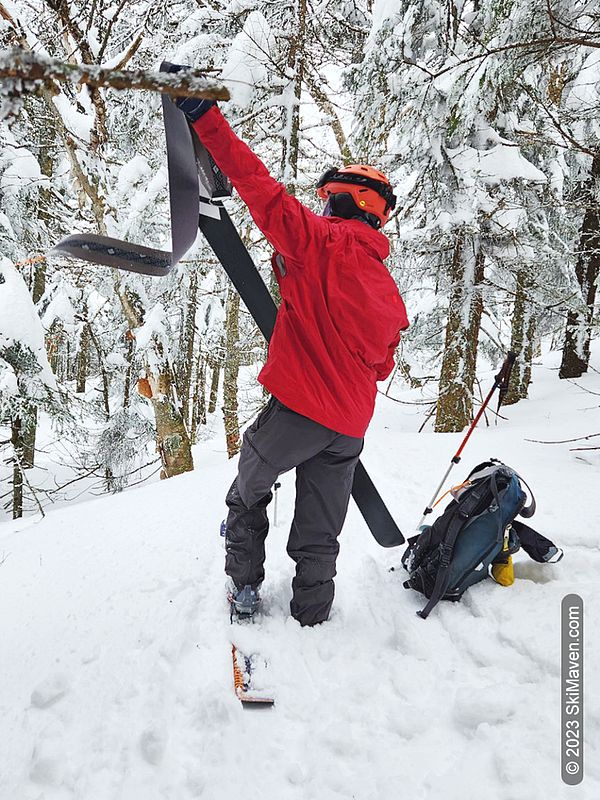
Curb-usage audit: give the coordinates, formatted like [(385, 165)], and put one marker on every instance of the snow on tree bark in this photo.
[(455, 400), (521, 341), (578, 335)]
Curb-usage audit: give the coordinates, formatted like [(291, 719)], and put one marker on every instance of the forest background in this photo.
[(484, 114)]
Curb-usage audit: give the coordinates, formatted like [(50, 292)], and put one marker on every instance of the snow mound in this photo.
[(20, 324)]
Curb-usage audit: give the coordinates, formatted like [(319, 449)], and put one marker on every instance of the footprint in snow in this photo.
[(49, 763), (296, 775), (472, 707), (153, 743), (49, 691)]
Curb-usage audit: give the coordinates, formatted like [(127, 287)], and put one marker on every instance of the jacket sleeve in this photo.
[(288, 225)]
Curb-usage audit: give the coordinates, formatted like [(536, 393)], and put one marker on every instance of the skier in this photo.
[(336, 332)]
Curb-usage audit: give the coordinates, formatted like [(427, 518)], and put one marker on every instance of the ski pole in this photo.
[(275, 487), (501, 381)]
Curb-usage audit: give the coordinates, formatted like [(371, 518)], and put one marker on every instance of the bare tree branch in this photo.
[(18, 64), (591, 39), (564, 441), (326, 107)]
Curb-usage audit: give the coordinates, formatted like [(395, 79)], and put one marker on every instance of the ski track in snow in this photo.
[(116, 661)]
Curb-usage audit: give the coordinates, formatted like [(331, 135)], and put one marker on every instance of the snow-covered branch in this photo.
[(19, 64)]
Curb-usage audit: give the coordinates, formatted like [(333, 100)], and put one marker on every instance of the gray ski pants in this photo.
[(278, 440)]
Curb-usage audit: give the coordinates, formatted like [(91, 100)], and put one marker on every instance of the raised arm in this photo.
[(288, 225)]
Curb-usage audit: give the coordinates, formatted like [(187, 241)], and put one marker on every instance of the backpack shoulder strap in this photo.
[(441, 579)]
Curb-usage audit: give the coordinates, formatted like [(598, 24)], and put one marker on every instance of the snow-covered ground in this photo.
[(115, 658)]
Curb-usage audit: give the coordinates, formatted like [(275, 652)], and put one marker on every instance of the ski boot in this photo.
[(243, 602)]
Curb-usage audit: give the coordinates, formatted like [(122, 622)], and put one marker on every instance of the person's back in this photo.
[(339, 318)]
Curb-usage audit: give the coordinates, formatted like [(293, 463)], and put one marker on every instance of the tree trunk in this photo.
[(17, 482), (231, 371), (475, 319), (172, 440), (295, 62), (517, 388), (38, 287), (71, 361), (103, 372), (202, 392), (38, 283), (187, 350), (199, 401), (455, 401), (28, 437), (83, 357), (128, 373), (214, 387), (528, 351), (578, 335)]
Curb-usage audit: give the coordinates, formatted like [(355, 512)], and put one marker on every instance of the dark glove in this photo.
[(192, 107)]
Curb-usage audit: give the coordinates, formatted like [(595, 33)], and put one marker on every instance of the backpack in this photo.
[(476, 532)]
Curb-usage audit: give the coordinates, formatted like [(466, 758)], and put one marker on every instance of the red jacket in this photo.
[(341, 313)]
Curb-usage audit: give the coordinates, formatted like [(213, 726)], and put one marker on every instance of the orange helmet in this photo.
[(370, 189)]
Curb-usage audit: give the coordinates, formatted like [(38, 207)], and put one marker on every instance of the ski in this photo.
[(196, 190), (242, 681)]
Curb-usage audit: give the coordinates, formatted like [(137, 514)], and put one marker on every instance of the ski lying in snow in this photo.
[(242, 681), (196, 187)]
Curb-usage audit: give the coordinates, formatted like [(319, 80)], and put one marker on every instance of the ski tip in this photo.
[(246, 694), (255, 701)]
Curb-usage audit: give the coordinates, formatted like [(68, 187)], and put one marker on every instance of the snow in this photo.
[(79, 124), (502, 162), (383, 12), (134, 173), (584, 91), (8, 383), (154, 325), (22, 169), (245, 67), (19, 321), (116, 660), (96, 302), (61, 308), (5, 222)]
